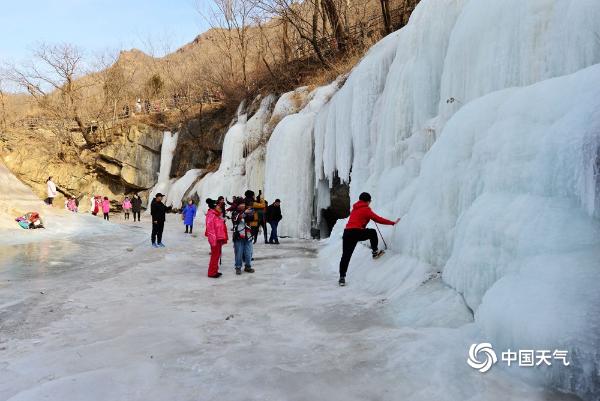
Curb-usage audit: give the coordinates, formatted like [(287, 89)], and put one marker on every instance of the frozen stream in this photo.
[(88, 319)]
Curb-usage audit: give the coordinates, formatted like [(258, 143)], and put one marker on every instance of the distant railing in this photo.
[(141, 107)]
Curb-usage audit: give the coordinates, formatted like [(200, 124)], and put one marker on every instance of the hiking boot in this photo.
[(377, 254), (342, 281), (238, 270), (248, 269), (161, 245)]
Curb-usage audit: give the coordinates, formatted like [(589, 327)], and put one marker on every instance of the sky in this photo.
[(97, 25)]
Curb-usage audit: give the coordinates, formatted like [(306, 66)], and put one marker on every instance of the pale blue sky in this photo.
[(96, 25)]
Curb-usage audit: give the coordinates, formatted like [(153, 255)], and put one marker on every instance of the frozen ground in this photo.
[(106, 317)]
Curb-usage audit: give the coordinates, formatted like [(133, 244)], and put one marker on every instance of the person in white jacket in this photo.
[(51, 191)]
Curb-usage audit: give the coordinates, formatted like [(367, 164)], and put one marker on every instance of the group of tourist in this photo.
[(248, 214)]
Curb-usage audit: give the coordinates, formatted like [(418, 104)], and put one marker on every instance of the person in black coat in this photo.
[(273, 218), (136, 206), (158, 210)]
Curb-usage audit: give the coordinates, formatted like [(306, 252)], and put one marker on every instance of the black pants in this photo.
[(189, 227), (254, 231), (105, 216), (157, 230), (126, 215), (352, 237), (263, 224), (136, 214)]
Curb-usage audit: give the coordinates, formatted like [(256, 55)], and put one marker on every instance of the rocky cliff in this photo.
[(123, 160)]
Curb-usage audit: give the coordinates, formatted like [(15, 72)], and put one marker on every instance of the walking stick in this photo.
[(383, 239)]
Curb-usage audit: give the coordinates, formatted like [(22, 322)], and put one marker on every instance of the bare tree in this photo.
[(51, 79), (2, 107), (231, 21), (303, 17), (116, 84), (387, 18)]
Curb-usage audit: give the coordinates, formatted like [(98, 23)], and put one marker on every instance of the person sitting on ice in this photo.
[(356, 230), (187, 215)]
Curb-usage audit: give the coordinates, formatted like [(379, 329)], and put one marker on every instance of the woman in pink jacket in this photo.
[(105, 207), (216, 231)]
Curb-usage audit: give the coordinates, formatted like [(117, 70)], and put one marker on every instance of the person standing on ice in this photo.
[(261, 213), (356, 230), (126, 207), (242, 237), (106, 207), (221, 203), (51, 186), (216, 232), (136, 206), (158, 210), (188, 214), (273, 218)]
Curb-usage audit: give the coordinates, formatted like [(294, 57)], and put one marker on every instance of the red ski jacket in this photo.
[(361, 215)]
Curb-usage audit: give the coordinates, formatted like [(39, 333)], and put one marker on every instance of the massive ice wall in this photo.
[(290, 166), (244, 155), (502, 194)]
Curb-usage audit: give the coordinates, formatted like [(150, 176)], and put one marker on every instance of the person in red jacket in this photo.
[(216, 231), (356, 231)]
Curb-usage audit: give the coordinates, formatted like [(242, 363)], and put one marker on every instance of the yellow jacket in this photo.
[(257, 205)]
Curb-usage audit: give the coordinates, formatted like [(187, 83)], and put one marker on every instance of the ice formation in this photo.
[(498, 192), (289, 164), (180, 188), (167, 150), (244, 148)]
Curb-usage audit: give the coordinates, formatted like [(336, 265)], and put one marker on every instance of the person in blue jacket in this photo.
[(188, 214)]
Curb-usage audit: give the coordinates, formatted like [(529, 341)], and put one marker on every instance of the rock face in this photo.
[(134, 159), (126, 160)]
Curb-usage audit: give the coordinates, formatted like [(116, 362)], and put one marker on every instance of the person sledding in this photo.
[(356, 231)]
